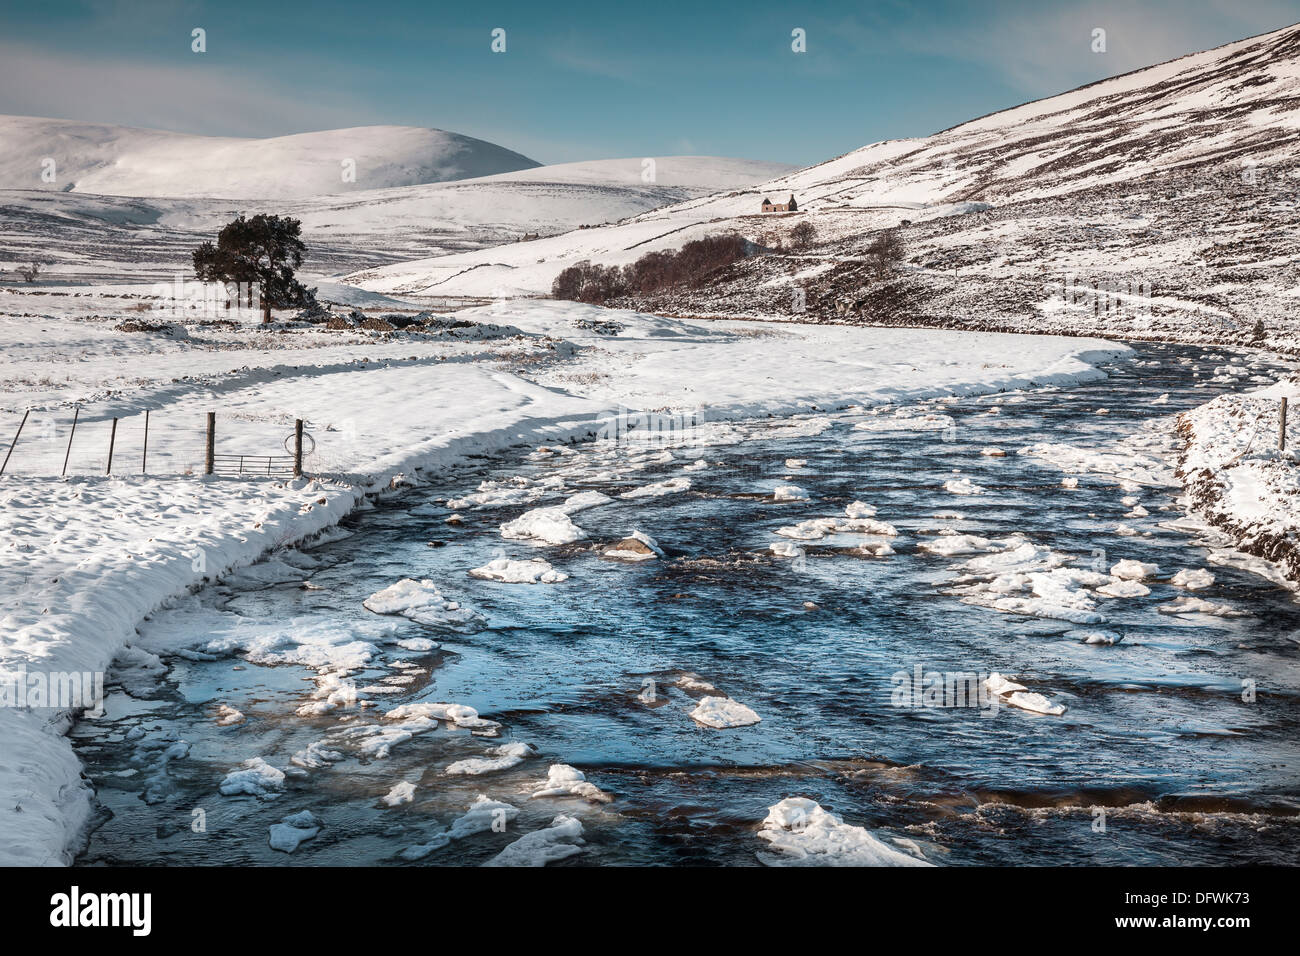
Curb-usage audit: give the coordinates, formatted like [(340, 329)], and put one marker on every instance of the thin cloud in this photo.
[(202, 98)]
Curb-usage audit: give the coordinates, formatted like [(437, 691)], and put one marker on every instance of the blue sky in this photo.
[(585, 80)]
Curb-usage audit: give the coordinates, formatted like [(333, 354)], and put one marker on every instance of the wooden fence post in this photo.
[(144, 455), (76, 413), (15, 441), (112, 437), (212, 443), (1281, 429), (297, 448)]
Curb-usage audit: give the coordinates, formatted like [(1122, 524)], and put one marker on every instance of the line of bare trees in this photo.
[(653, 272)]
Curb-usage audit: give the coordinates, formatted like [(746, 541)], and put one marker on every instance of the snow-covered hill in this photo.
[(87, 237), (124, 161), (1178, 175)]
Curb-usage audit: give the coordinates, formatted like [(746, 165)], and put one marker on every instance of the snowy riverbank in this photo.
[(86, 558), (1236, 478)]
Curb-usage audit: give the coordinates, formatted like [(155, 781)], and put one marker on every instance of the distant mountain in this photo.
[(124, 161)]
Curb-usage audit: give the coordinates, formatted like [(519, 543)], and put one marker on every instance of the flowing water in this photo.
[(1162, 756)]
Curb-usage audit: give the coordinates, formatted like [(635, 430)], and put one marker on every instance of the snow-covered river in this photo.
[(1177, 742)]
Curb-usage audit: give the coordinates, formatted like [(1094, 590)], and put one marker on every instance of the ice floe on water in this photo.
[(529, 571), (256, 778), (458, 715), (502, 758), (1124, 589), (789, 493), (1130, 570), (547, 525), (1193, 579), (421, 601), (962, 486), (723, 712), (907, 419), (484, 814), (670, 486), (563, 838), (801, 833), (1194, 605), (565, 781), (954, 544), (857, 520), (554, 524), (401, 793), (786, 549), (1018, 695)]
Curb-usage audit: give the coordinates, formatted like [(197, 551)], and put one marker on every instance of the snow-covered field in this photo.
[(86, 557)]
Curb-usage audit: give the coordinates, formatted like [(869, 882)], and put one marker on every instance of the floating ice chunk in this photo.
[(803, 834), (1124, 589), (637, 546), (905, 420), (462, 715), (723, 712), (584, 500), (1162, 400), (1069, 482), (556, 842), (962, 486), (258, 779), (1195, 605), (227, 716), (789, 493), (484, 814), (403, 792), (315, 755), (504, 757), (1017, 695), (417, 644), (1130, 570), (999, 684), (1036, 703), (1100, 637), (951, 544), (786, 549), (1193, 580), (815, 528), (548, 525), (860, 509), (692, 681), (421, 601), (530, 571), (993, 452), (287, 835), (795, 463), (563, 780), (669, 487)]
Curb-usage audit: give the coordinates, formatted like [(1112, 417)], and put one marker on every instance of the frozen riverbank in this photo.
[(84, 559)]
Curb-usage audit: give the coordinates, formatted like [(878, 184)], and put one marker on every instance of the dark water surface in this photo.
[(1156, 732)]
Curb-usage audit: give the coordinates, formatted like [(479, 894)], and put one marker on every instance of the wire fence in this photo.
[(85, 440)]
